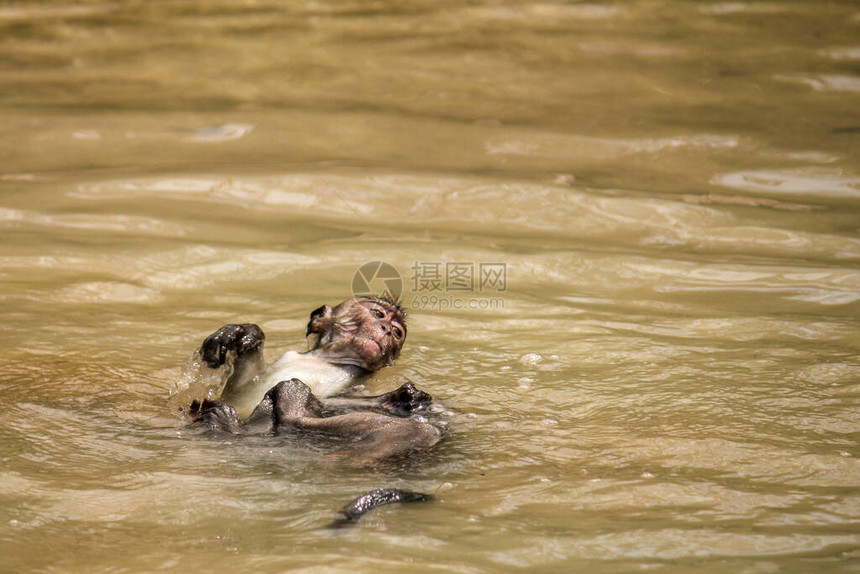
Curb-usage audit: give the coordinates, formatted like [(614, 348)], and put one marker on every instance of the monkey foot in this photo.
[(406, 400), (219, 416)]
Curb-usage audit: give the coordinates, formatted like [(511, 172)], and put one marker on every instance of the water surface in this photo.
[(668, 380)]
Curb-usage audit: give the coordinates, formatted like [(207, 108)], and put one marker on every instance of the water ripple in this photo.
[(128, 224), (792, 182)]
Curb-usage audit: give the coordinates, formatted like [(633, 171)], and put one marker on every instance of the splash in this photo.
[(198, 382)]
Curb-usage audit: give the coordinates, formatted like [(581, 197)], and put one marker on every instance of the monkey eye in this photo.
[(377, 313), (398, 332)]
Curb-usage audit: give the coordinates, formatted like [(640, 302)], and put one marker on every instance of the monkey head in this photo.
[(365, 332)]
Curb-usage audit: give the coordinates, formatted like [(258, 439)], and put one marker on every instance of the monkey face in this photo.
[(366, 332)]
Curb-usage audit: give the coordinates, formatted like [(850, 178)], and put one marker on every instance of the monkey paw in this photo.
[(240, 339), (406, 400), (218, 416)]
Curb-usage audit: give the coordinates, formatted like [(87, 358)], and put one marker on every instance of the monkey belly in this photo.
[(323, 378)]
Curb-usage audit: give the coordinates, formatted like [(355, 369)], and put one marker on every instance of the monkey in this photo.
[(351, 341), (302, 394)]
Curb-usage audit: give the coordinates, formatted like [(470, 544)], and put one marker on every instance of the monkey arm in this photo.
[(372, 437), (240, 348), (232, 342)]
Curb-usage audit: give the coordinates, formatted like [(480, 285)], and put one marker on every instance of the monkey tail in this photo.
[(350, 513)]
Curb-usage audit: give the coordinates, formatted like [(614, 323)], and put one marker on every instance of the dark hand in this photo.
[(241, 339)]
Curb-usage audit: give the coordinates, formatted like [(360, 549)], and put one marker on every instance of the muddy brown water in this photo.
[(665, 378)]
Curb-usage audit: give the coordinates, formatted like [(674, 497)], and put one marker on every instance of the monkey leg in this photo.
[(403, 401), (373, 436)]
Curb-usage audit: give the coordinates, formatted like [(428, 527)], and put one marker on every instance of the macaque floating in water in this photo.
[(302, 393)]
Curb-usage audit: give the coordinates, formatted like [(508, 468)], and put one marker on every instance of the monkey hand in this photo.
[(240, 339)]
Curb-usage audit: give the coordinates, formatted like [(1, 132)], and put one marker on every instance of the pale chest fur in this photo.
[(324, 380)]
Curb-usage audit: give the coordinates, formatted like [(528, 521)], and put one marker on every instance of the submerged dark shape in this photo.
[(350, 513)]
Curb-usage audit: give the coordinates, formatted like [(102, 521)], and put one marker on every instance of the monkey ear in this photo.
[(320, 321)]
